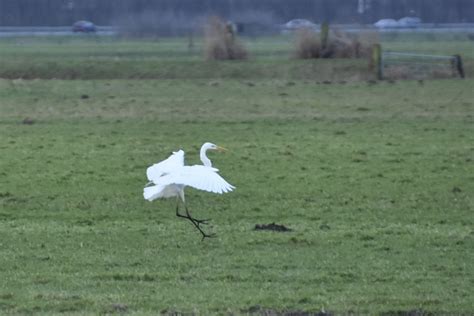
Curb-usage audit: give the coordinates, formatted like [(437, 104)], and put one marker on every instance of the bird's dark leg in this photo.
[(204, 235), (199, 221), (177, 210), (194, 221), (188, 215)]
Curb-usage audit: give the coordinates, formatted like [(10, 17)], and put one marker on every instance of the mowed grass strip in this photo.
[(91, 57), (375, 181)]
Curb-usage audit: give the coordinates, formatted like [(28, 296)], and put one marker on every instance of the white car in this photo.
[(386, 24), (297, 24)]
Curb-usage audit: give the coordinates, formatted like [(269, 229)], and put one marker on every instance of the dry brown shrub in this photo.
[(307, 44), (220, 42), (340, 45)]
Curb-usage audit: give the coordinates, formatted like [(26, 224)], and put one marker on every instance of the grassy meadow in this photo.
[(89, 57), (375, 179)]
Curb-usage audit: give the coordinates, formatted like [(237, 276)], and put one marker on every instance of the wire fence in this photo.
[(406, 65)]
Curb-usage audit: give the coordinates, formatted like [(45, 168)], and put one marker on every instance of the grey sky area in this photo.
[(116, 12)]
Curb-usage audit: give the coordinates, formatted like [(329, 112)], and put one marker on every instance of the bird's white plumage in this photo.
[(169, 177), (160, 191), (176, 160), (199, 177)]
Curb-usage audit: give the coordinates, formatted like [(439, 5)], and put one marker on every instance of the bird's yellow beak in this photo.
[(219, 148)]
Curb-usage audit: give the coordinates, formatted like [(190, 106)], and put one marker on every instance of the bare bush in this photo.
[(307, 44), (339, 45), (220, 41)]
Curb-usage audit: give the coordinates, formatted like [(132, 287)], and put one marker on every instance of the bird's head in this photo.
[(211, 146)]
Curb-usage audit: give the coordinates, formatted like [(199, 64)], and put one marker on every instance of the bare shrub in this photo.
[(220, 41), (340, 45), (307, 44), (347, 45)]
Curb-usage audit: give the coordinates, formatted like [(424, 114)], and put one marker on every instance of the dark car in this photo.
[(84, 27), (409, 22)]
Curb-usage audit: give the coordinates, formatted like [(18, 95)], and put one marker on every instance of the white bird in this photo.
[(169, 177)]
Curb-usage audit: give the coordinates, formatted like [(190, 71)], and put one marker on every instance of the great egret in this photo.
[(169, 177)]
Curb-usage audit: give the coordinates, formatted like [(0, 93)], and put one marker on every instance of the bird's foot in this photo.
[(194, 220), (201, 221), (204, 235), (197, 223)]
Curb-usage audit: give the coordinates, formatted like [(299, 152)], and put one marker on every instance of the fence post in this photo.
[(459, 66), (377, 60)]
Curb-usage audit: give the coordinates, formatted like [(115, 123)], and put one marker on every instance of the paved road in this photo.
[(17, 31), (9, 31), (422, 28)]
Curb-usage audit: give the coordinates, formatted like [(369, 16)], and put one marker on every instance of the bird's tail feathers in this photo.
[(152, 193)]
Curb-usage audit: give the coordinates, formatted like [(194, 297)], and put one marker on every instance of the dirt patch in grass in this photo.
[(273, 227), (28, 121)]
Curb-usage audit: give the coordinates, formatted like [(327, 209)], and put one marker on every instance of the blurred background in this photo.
[(175, 17)]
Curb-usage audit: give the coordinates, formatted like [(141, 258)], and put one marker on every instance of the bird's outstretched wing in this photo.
[(173, 162), (199, 177)]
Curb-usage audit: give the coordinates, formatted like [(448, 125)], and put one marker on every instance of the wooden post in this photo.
[(377, 60), (459, 66)]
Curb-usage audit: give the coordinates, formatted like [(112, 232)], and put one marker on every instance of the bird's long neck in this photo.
[(205, 161)]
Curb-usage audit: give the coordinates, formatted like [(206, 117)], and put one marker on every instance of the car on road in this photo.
[(409, 22), (386, 24), (297, 24), (84, 27), (403, 23)]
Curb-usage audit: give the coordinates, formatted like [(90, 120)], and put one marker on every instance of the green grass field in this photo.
[(375, 179), (91, 57)]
